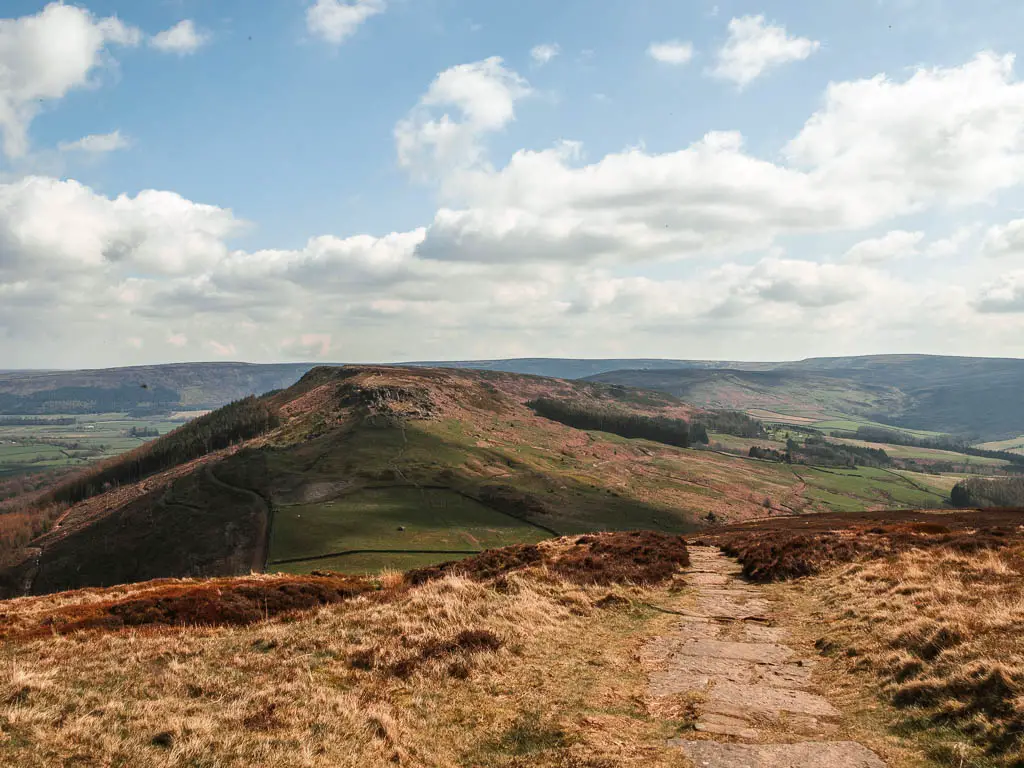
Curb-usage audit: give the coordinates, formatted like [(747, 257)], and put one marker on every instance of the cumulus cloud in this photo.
[(543, 54), (671, 52), (897, 244), (430, 141), (1005, 295), (952, 135), (96, 144), (336, 21), (153, 232), (542, 254), (1006, 240), (183, 39), (44, 56), (754, 46), (947, 247)]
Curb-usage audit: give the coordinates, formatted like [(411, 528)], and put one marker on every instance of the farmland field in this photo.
[(400, 518), (36, 447)]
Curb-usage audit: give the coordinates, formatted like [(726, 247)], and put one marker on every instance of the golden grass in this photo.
[(941, 635), (451, 673)]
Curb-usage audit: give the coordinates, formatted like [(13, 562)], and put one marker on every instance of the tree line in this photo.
[(943, 443), (240, 420), (659, 429), (29, 421), (732, 423), (818, 451), (988, 492)]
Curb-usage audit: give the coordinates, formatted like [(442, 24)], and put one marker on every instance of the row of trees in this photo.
[(732, 423), (944, 442), (581, 415), (988, 492), (240, 420), (820, 452), (35, 421)]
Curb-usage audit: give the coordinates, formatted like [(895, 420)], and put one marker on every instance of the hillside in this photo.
[(973, 397), (366, 467), (808, 395)]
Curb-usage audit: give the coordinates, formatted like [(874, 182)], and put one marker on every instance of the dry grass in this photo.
[(454, 672), (941, 633), (508, 663)]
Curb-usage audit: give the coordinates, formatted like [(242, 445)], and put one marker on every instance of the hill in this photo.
[(362, 467)]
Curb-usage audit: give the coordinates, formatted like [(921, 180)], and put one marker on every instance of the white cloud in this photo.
[(1005, 240), (671, 52), (335, 20), (44, 56), (754, 47), (897, 244), (541, 255), (155, 233), (1005, 295), (945, 135), (97, 143), (430, 141), (954, 245), (542, 54), (183, 39)]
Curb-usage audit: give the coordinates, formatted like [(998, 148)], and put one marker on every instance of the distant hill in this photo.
[(149, 387), (804, 393), (976, 397)]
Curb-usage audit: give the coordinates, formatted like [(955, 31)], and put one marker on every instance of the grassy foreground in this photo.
[(530, 667)]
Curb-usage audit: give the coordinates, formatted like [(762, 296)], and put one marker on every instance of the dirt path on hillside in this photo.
[(262, 550), (748, 693)]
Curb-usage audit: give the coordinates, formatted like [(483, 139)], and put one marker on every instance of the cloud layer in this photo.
[(547, 250)]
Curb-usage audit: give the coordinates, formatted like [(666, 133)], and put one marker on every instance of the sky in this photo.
[(388, 180)]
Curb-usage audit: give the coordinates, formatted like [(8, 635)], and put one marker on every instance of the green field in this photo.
[(28, 448), (399, 518), (852, 490)]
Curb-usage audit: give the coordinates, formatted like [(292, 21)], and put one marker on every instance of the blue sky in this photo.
[(240, 138)]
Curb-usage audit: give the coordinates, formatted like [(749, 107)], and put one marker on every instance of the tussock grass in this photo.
[(942, 633), (528, 668)]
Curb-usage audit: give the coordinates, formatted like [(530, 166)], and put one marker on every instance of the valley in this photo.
[(387, 467)]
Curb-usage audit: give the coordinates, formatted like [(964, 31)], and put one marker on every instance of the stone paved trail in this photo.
[(750, 688)]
